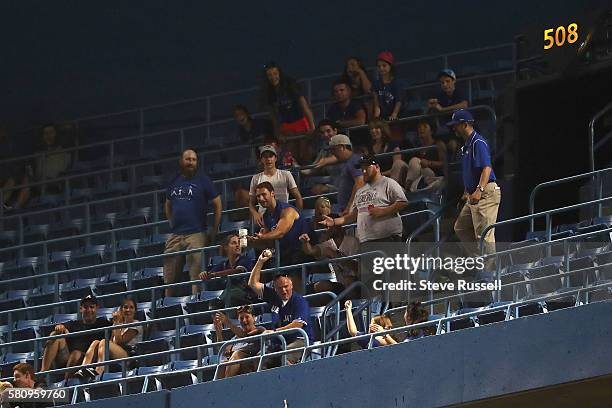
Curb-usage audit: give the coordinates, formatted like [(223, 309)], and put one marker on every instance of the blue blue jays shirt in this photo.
[(189, 198), (291, 238), (475, 156), (388, 95), (295, 310)]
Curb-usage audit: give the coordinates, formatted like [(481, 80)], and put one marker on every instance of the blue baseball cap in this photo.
[(447, 72), (460, 116)]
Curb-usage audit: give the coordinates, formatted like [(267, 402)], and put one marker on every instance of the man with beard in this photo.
[(186, 207), (282, 222), (376, 206)]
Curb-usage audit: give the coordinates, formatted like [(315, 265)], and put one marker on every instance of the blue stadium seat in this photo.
[(493, 317), (152, 346), (518, 290), (18, 293), (150, 183), (8, 238), (170, 306), (544, 286), (58, 261), (607, 221), (528, 254), (35, 233), (114, 283), (139, 216), (464, 323), (206, 302), (148, 278), (63, 230), (604, 272), (11, 359), (11, 304), (175, 379)]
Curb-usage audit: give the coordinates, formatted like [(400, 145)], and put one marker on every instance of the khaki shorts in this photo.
[(173, 265)]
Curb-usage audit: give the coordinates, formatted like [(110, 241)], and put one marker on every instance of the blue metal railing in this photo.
[(597, 175), (593, 146), (546, 214)]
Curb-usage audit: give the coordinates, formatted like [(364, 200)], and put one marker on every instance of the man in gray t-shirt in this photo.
[(376, 206)]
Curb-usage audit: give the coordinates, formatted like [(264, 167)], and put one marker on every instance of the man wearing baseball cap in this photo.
[(448, 99), (481, 193), (351, 178), (282, 181), (69, 351), (376, 207)]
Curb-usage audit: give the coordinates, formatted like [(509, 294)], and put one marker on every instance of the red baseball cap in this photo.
[(386, 56)]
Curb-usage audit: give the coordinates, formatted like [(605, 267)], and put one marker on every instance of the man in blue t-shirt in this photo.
[(289, 309), (351, 177), (282, 222), (186, 208), (481, 193), (346, 112)]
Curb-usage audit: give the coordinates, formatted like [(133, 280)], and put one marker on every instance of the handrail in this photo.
[(261, 337), (113, 231), (307, 349), (149, 322), (448, 319), (486, 108), (132, 166), (546, 243), (223, 182), (336, 302), (546, 214), (563, 180), (170, 285), (592, 147), (432, 301)]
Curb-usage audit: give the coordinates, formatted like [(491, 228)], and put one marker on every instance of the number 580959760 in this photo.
[(560, 36)]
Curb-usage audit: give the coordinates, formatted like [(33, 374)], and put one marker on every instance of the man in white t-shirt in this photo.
[(282, 181), (376, 206)]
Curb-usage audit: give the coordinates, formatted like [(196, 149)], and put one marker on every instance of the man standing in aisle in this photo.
[(186, 208), (481, 193)]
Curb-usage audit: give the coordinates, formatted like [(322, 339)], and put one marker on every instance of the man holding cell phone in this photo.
[(376, 206)]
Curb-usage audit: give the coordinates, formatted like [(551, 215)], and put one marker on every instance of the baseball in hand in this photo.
[(267, 253)]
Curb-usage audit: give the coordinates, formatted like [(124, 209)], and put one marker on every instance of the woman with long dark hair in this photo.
[(390, 166), (415, 313), (355, 74), (122, 343), (289, 109)]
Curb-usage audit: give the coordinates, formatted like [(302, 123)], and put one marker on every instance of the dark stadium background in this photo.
[(64, 59)]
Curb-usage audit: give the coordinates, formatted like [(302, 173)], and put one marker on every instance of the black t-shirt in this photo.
[(83, 342), (338, 113), (431, 155)]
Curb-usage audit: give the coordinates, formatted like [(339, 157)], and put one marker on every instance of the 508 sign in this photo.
[(560, 35)]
